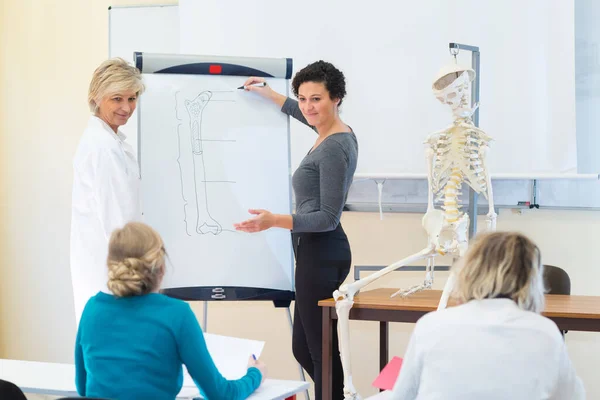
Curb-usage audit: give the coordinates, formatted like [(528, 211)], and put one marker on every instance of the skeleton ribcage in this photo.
[(458, 148)]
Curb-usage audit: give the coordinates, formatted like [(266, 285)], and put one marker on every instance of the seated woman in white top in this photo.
[(495, 344)]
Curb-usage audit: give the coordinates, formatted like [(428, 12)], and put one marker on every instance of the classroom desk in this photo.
[(59, 380), (385, 395), (573, 313)]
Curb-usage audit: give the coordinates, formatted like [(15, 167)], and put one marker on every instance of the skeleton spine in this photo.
[(451, 193)]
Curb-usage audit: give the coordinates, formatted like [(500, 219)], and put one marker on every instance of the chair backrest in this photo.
[(556, 280), (10, 391)]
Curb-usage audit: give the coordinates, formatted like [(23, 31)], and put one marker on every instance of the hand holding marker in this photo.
[(260, 84)]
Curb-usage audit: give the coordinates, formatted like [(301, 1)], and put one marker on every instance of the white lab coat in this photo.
[(105, 196)]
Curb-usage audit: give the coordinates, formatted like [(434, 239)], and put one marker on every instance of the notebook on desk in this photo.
[(230, 355)]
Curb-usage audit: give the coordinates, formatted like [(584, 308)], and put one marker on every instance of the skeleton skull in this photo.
[(452, 86)]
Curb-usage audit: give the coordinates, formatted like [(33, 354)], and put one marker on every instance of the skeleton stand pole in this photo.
[(475, 64)]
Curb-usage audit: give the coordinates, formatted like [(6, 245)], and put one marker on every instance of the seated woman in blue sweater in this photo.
[(131, 345)]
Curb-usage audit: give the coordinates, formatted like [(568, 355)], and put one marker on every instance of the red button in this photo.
[(215, 69)]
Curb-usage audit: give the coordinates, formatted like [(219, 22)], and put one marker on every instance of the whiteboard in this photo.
[(390, 52), (153, 29), (210, 152), (587, 85)]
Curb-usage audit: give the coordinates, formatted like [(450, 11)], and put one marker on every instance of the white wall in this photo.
[(390, 53), (587, 84), (48, 52)]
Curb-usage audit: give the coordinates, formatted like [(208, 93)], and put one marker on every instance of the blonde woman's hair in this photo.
[(136, 260), (113, 76), (502, 264)]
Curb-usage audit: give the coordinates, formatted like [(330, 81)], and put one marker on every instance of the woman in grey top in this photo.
[(321, 185)]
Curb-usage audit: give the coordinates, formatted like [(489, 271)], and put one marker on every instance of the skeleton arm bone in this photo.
[(429, 154), (349, 290), (344, 299), (491, 215), (462, 243)]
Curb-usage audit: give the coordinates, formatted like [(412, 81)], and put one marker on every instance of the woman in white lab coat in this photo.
[(494, 345), (106, 177)]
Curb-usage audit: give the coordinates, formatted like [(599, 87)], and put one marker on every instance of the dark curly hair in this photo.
[(322, 72)]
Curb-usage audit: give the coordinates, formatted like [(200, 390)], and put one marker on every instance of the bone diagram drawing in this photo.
[(192, 166)]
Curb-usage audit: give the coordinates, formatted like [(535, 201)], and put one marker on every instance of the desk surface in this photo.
[(59, 380), (385, 395), (557, 306)]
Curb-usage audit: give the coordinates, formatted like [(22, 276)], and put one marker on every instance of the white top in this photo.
[(106, 186), (487, 349)]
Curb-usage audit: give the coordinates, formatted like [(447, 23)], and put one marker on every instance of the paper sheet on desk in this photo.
[(230, 355), (189, 393), (272, 389), (385, 395)]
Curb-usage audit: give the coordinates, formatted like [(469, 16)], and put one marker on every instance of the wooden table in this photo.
[(573, 313)]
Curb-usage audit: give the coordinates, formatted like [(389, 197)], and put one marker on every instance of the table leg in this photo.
[(326, 366), (383, 345)]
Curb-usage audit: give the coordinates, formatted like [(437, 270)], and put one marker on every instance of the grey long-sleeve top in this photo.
[(323, 178)]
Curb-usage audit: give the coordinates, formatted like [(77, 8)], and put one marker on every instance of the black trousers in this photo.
[(322, 263)]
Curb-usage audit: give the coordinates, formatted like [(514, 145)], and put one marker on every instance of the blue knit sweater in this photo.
[(134, 348)]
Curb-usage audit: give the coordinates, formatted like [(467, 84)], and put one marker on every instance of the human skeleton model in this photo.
[(194, 184), (455, 155)]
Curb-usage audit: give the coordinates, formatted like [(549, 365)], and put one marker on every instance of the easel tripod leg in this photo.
[(289, 314)]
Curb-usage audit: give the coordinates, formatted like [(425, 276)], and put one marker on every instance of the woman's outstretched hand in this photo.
[(262, 220)]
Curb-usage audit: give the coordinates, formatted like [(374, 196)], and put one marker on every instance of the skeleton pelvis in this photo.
[(433, 222), (445, 236)]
